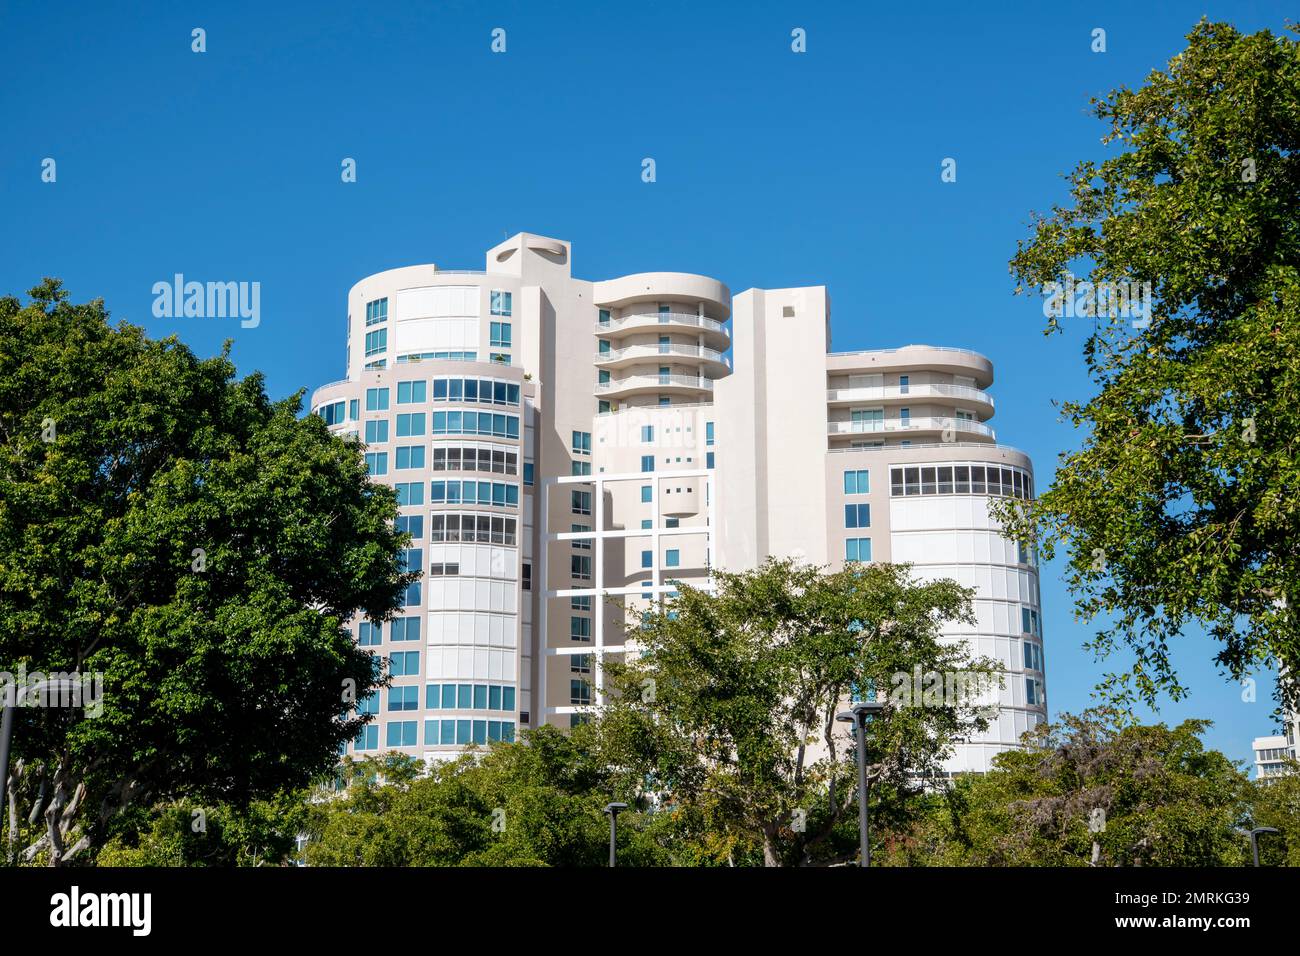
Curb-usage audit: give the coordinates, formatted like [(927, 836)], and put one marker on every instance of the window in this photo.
[(376, 341), (404, 663), (603, 316), (857, 549), (647, 434), (475, 423), (376, 399), (526, 576), (354, 409), (369, 705), (581, 501), (580, 602), (376, 312), (672, 558), (602, 407), (905, 417), (412, 597), (1032, 696), (670, 522), (498, 494), (369, 635), (411, 524), (857, 516), (412, 393), (647, 462), (376, 431), (483, 391), (904, 383), (412, 559), (602, 376), (367, 738), (499, 303), (582, 443), (647, 559), (484, 529), (406, 629), (580, 566), (581, 543), (580, 628), (857, 482), (499, 335), (602, 346), (708, 433), (647, 493), (580, 663), (409, 492), (333, 412), (377, 462), (1033, 656), (708, 460), (528, 472), (580, 468), (404, 698), (410, 456), (402, 733), (410, 424), (959, 480), (579, 692)]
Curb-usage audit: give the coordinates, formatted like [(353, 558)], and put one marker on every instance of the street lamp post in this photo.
[(858, 717), (1254, 833), (11, 698), (612, 809)]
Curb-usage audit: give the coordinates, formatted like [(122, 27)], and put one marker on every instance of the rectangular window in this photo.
[(580, 468), (354, 409), (404, 663), (403, 698), (409, 492), (647, 559), (647, 494), (580, 567), (708, 433), (411, 524), (412, 597), (647, 434), (580, 628), (376, 399), (499, 335), (857, 482), (857, 549), (581, 543), (410, 456), (376, 312), (369, 635), (647, 462), (1031, 691), (708, 460), (904, 383), (368, 738), (580, 663), (499, 303), (580, 602), (857, 516), (579, 692), (406, 629), (582, 443), (376, 341), (603, 316), (528, 473), (412, 393), (377, 462), (672, 558), (581, 501), (410, 424)]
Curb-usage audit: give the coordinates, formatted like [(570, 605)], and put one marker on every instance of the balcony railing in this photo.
[(879, 393), (655, 381), (654, 351), (914, 424), (661, 318)]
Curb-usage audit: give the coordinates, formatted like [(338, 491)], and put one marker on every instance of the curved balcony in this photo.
[(963, 395), (672, 384), (897, 426), (621, 358), (714, 332)]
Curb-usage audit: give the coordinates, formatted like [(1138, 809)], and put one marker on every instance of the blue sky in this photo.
[(773, 169)]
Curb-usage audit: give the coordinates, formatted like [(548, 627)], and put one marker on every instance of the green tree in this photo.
[(1277, 804), (1182, 505), (200, 547), (1133, 795), (728, 716), (534, 803)]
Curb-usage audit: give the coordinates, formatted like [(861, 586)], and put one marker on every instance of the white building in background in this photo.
[(563, 450), (1272, 753)]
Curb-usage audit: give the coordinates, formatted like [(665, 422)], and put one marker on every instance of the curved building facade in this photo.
[(564, 451)]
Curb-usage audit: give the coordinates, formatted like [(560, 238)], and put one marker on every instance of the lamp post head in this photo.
[(869, 708), (612, 808)]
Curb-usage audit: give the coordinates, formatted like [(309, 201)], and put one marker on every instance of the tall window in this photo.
[(647, 434), (582, 443), (647, 462), (581, 502), (376, 399), (499, 303), (857, 482), (376, 431), (499, 335), (376, 312), (377, 462), (410, 424), (376, 341), (412, 393), (857, 516), (857, 549)]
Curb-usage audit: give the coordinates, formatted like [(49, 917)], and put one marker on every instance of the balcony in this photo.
[(660, 384), (889, 393), (620, 358), (714, 332), (896, 426)]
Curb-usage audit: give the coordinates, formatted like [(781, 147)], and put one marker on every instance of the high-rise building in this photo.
[(565, 450)]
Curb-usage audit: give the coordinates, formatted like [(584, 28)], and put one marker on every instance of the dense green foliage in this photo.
[(1182, 506), (168, 527)]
